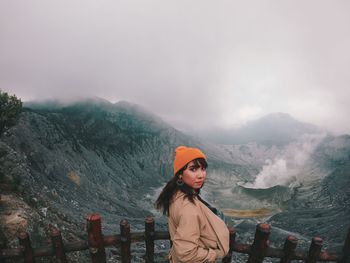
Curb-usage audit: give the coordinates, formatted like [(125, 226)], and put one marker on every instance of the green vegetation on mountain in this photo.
[(10, 108)]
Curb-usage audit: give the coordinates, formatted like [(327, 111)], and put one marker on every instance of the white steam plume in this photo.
[(290, 166)]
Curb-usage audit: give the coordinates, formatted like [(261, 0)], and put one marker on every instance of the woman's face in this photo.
[(194, 175)]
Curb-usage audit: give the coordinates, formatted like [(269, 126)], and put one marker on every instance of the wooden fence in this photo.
[(97, 242)]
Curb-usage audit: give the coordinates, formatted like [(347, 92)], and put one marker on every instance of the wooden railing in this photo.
[(97, 242)]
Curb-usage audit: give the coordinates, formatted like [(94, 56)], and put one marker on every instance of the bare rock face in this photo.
[(16, 215)]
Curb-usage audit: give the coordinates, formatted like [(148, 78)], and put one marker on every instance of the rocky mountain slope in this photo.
[(64, 161), (67, 161)]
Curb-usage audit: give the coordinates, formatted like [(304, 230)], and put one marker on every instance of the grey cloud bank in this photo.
[(194, 63)]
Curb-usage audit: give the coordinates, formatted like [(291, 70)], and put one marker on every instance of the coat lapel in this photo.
[(219, 227)]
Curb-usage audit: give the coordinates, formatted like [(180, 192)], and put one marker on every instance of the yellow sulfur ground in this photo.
[(260, 212)]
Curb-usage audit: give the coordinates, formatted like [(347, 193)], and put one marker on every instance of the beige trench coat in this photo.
[(198, 235)]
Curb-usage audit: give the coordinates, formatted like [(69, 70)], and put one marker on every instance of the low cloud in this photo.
[(215, 63)]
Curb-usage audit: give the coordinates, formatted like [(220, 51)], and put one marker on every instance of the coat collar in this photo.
[(179, 194)]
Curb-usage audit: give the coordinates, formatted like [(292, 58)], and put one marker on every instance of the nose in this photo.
[(201, 173)]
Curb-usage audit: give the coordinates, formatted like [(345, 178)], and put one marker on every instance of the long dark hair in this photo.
[(165, 197)]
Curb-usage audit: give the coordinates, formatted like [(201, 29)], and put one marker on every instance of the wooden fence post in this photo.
[(97, 242), (260, 243), (125, 241), (95, 239), (149, 236), (24, 242), (2, 242), (228, 257), (346, 249), (289, 248), (315, 250), (57, 244)]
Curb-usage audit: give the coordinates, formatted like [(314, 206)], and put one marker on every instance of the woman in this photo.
[(198, 235)]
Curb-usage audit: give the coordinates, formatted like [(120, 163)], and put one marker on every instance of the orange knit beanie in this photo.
[(183, 155)]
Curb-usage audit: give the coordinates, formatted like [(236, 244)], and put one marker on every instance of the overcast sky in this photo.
[(196, 64)]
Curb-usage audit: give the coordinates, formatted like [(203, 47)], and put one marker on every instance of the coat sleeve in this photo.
[(186, 238)]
